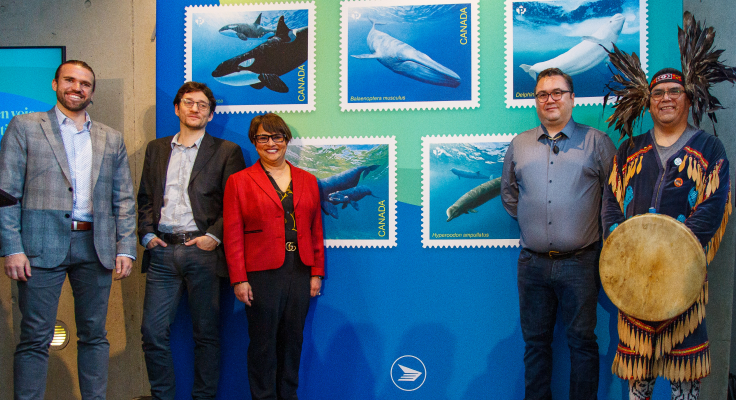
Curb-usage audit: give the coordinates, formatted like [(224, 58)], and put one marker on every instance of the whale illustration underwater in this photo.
[(406, 60), (350, 196), (467, 174), (474, 198), (584, 55), (246, 31), (340, 182), (262, 66)]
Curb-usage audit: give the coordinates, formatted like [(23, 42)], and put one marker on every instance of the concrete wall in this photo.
[(717, 13), (114, 37)]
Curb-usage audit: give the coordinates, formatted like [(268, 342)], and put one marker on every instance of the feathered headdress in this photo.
[(631, 88), (700, 67)]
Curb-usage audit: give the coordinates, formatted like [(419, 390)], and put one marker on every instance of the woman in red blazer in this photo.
[(275, 254)]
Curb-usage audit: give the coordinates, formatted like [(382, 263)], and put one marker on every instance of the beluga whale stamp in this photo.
[(255, 58), (461, 192), (571, 35), (409, 54), (357, 184)]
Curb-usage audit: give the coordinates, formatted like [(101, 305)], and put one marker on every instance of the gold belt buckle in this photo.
[(290, 246), (553, 253)]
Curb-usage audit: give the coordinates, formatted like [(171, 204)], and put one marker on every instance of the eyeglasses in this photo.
[(201, 105), (556, 95), (674, 93), (277, 138)]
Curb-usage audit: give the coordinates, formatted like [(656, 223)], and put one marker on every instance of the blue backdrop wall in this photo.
[(455, 309)]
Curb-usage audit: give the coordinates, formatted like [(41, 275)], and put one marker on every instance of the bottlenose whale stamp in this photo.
[(571, 35), (255, 58), (409, 54), (461, 192), (357, 183)]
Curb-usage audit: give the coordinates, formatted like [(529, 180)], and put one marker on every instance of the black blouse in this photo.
[(287, 202)]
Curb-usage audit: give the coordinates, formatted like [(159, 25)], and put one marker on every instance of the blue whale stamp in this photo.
[(573, 36), (409, 54), (357, 185), (255, 58), (461, 203)]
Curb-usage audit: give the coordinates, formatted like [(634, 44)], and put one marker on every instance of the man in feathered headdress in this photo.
[(678, 170)]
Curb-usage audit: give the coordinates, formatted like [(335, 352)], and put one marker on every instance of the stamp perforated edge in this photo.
[(390, 240), (426, 240), (257, 108), (474, 102)]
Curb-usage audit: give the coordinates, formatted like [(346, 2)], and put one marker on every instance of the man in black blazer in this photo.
[(180, 225)]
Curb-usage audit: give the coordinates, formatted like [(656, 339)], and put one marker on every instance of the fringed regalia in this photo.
[(695, 189)]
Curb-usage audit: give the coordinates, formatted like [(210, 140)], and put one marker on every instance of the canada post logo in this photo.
[(408, 373)]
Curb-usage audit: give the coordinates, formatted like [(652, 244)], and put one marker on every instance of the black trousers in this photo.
[(276, 320)]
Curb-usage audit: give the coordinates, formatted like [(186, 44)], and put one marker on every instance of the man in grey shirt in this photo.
[(553, 177)]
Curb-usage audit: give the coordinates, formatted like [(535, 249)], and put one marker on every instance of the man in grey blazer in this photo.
[(75, 218), (180, 225)]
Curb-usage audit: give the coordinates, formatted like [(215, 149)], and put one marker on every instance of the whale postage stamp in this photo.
[(461, 192), (570, 35), (255, 58), (409, 54), (357, 184)]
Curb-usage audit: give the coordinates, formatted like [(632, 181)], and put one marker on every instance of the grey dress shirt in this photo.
[(556, 197), (176, 214)]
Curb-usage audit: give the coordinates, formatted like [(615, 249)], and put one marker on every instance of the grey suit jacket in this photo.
[(36, 171), (216, 160)]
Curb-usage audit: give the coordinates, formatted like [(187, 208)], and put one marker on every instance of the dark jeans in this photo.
[(572, 284), (38, 301), (276, 320), (174, 268)]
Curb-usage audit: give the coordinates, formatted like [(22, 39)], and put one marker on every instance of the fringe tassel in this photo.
[(620, 181), (705, 289), (628, 365), (712, 247), (615, 181), (655, 342), (686, 365), (645, 353), (636, 335)]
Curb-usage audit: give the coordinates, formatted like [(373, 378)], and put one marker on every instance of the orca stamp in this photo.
[(409, 54), (461, 192), (255, 58), (569, 35), (357, 182)]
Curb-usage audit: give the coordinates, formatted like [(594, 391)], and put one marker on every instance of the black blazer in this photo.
[(216, 160)]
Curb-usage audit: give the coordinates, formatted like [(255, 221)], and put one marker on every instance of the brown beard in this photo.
[(193, 127), (83, 105)]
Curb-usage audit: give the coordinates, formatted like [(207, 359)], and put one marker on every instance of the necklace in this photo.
[(281, 172)]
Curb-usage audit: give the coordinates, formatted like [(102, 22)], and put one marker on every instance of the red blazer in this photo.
[(253, 223)]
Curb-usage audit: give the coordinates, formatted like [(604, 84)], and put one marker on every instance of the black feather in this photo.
[(701, 67), (631, 88)]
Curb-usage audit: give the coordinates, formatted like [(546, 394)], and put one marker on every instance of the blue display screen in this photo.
[(25, 80)]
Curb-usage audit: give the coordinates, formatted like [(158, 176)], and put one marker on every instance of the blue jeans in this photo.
[(572, 284), (38, 301), (173, 269)]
